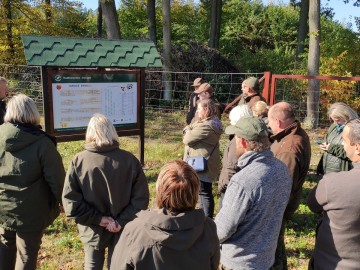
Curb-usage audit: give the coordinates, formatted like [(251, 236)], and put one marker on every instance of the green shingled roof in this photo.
[(80, 52)]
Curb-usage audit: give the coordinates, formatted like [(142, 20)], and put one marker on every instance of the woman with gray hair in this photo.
[(31, 182), (104, 189), (334, 158)]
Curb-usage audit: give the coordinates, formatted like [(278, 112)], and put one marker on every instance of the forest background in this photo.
[(253, 37)]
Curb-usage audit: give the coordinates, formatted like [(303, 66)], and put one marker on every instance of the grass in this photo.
[(62, 249)]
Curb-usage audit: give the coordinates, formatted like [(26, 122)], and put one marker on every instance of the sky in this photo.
[(344, 13)]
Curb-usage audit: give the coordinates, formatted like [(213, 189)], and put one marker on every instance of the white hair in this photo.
[(101, 131), (22, 109), (239, 112)]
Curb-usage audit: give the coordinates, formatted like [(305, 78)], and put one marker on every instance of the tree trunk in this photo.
[(111, 19), (151, 12), (9, 33), (303, 28), (167, 49), (213, 21), (99, 20), (48, 13), (313, 64), (218, 24)]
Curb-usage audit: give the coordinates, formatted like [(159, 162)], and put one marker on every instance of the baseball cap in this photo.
[(197, 82), (252, 82), (205, 87), (250, 128)]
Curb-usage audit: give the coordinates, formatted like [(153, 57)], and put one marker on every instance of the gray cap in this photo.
[(253, 83), (250, 128)]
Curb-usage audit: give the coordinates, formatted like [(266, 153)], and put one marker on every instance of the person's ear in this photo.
[(243, 143), (357, 149)]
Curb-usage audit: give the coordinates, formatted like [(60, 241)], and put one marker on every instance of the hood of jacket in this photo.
[(13, 139), (178, 232)]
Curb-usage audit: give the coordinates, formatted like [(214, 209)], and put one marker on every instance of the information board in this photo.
[(74, 96)]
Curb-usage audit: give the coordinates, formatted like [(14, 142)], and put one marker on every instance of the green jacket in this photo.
[(104, 181), (334, 159), (31, 180), (201, 138), (157, 240)]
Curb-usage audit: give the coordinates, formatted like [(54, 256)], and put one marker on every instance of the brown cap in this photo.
[(197, 82), (205, 87)]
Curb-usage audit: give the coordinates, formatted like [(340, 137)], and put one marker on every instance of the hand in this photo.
[(113, 227), (105, 221), (324, 146)]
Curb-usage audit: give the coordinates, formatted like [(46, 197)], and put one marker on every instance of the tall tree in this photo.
[(303, 28), (99, 22), (313, 64), (167, 49), (215, 23), (48, 13), (151, 20), (9, 28), (111, 19)]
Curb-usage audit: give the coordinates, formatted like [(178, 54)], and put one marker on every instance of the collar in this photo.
[(101, 149), (250, 156), (286, 131), (248, 97)]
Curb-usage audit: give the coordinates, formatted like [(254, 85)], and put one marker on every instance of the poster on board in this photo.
[(77, 96)]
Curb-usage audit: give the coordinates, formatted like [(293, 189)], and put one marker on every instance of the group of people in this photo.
[(259, 194), (106, 192)]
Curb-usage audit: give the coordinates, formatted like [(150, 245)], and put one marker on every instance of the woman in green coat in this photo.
[(334, 158), (31, 182)]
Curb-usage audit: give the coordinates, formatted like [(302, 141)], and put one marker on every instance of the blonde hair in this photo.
[(239, 112), (100, 131), (260, 108), (177, 187), (342, 111), (21, 108)]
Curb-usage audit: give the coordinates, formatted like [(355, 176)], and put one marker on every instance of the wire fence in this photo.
[(172, 94)]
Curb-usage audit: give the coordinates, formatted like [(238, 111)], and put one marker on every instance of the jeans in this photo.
[(19, 250), (206, 199)]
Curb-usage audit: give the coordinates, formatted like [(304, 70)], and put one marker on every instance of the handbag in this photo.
[(199, 163)]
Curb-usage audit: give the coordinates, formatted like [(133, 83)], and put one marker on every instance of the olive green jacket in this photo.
[(157, 240), (103, 181), (334, 159), (202, 138), (31, 180)]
